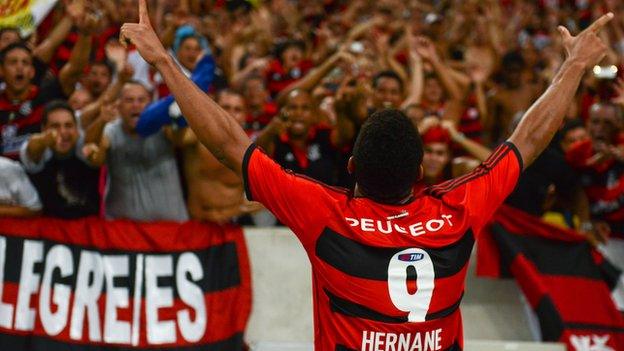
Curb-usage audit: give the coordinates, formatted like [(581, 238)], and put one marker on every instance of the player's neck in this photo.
[(357, 192)]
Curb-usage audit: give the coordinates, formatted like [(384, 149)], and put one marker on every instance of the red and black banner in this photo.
[(99, 285), (568, 284)]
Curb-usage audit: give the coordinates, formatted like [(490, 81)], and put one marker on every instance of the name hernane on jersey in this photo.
[(376, 341), (387, 227)]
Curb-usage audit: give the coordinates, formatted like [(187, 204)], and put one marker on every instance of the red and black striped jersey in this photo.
[(385, 277), (20, 119)]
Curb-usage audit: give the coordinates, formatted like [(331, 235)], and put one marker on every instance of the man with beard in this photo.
[(143, 180), (298, 142), (66, 182)]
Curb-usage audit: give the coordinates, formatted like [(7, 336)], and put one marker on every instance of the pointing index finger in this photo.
[(598, 24), (143, 13)]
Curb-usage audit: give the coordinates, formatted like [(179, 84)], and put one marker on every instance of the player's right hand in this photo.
[(143, 36), (586, 48)]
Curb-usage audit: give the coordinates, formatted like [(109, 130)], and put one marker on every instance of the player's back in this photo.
[(385, 277), (390, 277)]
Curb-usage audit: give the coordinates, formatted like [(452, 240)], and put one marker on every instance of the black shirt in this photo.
[(67, 186), (318, 161)]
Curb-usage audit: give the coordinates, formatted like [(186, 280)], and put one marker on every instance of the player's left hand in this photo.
[(586, 48)]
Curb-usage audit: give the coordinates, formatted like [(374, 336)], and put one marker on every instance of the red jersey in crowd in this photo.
[(259, 120), (603, 183), (317, 160), (20, 119), (385, 277), (277, 78)]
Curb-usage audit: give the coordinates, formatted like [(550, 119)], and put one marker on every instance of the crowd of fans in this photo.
[(88, 128)]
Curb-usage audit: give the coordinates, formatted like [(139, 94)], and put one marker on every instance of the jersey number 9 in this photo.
[(417, 303)]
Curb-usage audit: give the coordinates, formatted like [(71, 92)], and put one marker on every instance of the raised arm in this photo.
[(157, 114), (215, 129), (543, 119), (74, 68), (74, 13), (427, 50)]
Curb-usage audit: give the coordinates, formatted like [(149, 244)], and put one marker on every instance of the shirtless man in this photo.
[(514, 95), (215, 193)]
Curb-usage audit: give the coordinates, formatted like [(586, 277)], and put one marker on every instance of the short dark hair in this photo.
[(387, 74), (56, 105), (387, 156), (14, 46)]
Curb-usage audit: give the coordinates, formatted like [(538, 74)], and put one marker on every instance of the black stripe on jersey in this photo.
[(445, 312), (514, 148), (352, 309), (343, 348), (245, 169), (369, 262)]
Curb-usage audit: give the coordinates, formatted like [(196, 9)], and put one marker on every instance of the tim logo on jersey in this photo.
[(413, 257)]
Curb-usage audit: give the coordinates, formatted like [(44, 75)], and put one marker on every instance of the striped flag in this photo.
[(572, 289)]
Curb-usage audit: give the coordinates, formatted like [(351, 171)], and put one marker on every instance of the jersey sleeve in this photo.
[(483, 190), (300, 203)]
